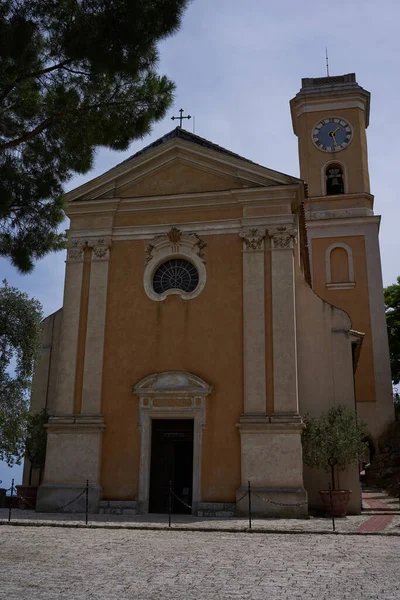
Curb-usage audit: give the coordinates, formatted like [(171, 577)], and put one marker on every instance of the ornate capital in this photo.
[(76, 249), (282, 237), (253, 239), (101, 249)]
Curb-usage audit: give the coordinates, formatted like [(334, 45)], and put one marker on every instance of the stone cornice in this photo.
[(334, 199), (68, 423), (332, 98), (283, 195), (273, 428), (222, 226), (347, 222)]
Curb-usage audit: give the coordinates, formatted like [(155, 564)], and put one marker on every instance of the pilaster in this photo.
[(70, 327), (286, 405), (254, 322), (95, 329)]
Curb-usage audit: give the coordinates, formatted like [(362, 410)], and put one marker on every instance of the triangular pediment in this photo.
[(180, 176), (179, 163), (172, 382)]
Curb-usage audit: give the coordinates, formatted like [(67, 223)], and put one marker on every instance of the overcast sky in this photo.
[(236, 66)]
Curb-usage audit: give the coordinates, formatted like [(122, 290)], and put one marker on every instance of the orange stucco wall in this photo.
[(202, 336), (354, 301)]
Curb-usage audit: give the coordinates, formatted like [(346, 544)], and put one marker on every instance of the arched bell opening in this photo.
[(334, 179)]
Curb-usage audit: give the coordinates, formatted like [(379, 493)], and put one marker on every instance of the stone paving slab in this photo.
[(48, 563)]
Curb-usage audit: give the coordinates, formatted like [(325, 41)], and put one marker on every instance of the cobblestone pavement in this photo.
[(50, 563)]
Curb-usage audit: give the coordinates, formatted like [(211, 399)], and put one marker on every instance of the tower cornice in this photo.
[(337, 93)]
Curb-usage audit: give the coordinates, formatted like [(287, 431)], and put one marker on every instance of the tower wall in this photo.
[(343, 230)]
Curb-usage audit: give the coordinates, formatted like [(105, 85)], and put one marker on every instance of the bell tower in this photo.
[(330, 116)]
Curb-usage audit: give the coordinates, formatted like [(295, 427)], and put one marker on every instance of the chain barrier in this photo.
[(240, 499), (50, 510), (248, 493), (171, 494), (278, 503), (181, 501)]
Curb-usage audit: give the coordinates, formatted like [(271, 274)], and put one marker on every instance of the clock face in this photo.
[(332, 134)]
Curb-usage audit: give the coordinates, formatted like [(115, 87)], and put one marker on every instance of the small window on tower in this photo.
[(334, 180)]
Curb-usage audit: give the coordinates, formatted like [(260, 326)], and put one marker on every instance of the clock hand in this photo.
[(333, 136), (333, 132)]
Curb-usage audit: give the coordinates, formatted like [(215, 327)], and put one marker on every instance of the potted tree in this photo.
[(333, 441), (35, 452)]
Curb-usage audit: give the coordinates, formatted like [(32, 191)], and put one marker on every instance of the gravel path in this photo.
[(74, 564)]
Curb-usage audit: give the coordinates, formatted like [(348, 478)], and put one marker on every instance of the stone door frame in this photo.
[(170, 395)]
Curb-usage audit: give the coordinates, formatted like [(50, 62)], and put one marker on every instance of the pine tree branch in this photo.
[(39, 73), (28, 135), (76, 72)]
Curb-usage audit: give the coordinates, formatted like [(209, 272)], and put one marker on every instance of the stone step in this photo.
[(118, 507), (216, 509)]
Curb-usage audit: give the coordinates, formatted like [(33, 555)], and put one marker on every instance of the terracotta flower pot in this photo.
[(340, 502), (26, 496)]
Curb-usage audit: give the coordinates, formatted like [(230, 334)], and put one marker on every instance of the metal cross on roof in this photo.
[(181, 117)]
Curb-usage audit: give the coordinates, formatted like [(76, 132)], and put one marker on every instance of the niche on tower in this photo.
[(334, 179)]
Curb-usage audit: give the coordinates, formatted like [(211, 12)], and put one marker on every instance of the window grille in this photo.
[(175, 274)]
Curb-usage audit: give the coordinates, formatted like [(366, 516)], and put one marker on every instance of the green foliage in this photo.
[(13, 417), (396, 401), (20, 318), (392, 308), (334, 440), (35, 441), (73, 76)]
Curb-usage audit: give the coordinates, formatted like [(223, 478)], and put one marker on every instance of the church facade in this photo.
[(210, 303)]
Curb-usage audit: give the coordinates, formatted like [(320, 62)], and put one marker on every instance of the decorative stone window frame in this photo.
[(170, 395), (174, 244), (345, 285), (344, 172)]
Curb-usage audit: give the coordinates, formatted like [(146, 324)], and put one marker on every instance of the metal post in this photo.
[(169, 504), (87, 500), (332, 513), (11, 501), (249, 505)]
